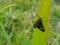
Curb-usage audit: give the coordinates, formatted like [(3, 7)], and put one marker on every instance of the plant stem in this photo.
[(39, 37)]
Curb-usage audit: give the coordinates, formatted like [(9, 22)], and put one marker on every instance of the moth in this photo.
[(38, 24)]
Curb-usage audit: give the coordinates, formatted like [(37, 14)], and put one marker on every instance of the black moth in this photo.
[(39, 25)]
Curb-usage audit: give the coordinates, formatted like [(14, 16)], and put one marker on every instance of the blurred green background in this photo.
[(17, 18)]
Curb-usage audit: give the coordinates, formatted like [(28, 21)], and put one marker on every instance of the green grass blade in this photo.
[(5, 34), (40, 38)]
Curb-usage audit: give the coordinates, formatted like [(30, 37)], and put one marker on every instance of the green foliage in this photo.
[(57, 1), (16, 27)]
